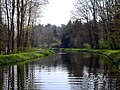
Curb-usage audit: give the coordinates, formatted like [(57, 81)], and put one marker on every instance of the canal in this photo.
[(70, 71)]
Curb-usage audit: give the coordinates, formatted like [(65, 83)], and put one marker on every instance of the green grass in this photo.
[(20, 57)]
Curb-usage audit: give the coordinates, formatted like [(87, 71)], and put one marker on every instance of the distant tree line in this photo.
[(17, 18), (47, 35), (97, 25)]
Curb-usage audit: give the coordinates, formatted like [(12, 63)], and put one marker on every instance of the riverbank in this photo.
[(24, 56), (112, 54)]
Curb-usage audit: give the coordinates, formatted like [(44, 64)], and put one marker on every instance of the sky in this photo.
[(57, 12)]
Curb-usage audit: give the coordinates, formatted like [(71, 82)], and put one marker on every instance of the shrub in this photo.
[(86, 45), (103, 44)]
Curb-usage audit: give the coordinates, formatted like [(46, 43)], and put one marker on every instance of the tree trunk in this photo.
[(12, 24), (90, 34), (95, 26), (18, 26), (0, 28), (21, 24), (8, 28)]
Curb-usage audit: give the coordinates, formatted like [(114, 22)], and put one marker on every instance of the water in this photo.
[(73, 71)]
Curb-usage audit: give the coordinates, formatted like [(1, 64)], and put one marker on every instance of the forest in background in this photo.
[(95, 24), (47, 35)]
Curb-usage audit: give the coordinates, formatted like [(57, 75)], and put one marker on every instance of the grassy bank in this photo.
[(112, 54), (24, 56)]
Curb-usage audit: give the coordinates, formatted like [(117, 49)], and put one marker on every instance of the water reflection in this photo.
[(74, 71)]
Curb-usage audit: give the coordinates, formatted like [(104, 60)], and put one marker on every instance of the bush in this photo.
[(103, 44), (86, 45)]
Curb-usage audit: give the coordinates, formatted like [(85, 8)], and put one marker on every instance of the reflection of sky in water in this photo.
[(49, 78), (52, 79)]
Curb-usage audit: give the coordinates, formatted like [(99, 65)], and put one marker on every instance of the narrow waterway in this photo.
[(71, 71)]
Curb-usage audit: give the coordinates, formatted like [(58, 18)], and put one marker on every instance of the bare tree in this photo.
[(95, 25), (83, 11)]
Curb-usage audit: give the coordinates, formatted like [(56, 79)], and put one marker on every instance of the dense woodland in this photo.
[(47, 36), (95, 24), (17, 19)]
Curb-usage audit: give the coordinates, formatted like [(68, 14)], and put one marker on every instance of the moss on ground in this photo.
[(20, 57)]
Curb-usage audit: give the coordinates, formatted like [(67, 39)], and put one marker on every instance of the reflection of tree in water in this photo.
[(18, 77), (75, 63), (84, 70), (1, 78), (51, 61), (88, 72)]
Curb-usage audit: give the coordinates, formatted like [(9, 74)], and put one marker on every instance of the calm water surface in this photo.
[(73, 71)]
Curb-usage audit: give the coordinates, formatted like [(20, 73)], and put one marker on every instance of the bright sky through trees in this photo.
[(57, 12)]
